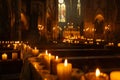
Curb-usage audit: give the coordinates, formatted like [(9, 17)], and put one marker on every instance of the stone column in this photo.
[(18, 20)]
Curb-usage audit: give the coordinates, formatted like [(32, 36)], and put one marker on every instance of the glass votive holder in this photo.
[(92, 76)]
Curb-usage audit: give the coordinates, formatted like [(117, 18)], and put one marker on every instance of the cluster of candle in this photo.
[(11, 42), (62, 70), (47, 58), (26, 49)]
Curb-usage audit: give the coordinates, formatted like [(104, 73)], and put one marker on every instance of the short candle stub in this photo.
[(96, 75)]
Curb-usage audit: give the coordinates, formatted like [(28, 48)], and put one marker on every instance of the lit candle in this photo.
[(96, 75), (64, 70), (46, 51), (14, 56), (4, 56), (54, 63), (15, 46), (35, 51), (43, 54), (115, 75), (118, 44), (8, 45), (47, 60)]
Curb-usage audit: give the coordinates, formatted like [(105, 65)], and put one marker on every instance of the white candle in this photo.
[(4, 56), (64, 70), (115, 75), (14, 56), (96, 75)]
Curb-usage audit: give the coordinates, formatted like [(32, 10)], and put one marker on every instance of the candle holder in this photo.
[(92, 76)]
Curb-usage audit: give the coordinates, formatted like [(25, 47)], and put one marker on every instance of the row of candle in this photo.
[(64, 70), (11, 42), (28, 49), (5, 56)]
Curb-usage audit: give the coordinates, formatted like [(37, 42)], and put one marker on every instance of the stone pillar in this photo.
[(18, 20)]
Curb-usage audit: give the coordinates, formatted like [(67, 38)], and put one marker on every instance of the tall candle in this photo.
[(96, 75), (54, 63), (115, 75), (64, 70), (47, 60), (4, 56)]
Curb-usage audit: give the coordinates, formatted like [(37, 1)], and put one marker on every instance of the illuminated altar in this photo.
[(71, 34)]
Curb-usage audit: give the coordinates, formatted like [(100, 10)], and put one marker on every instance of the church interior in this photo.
[(85, 32)]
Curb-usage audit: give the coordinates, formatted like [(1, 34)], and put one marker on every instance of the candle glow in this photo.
[(56, 57), (46, 52), (65, 62), (97, 72), (4, 56), (97, 75)]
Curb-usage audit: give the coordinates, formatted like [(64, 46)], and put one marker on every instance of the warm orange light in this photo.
[(49, 55), (4, 56), (97, 72), (56, 57), (45, 79), (35, 48), (46, 52), (65, 62)]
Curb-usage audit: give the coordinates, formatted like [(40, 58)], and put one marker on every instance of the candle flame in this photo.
[(65, 62), (46, 52), (97, 72), (49, 54), (56, 57), (35, 48)]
